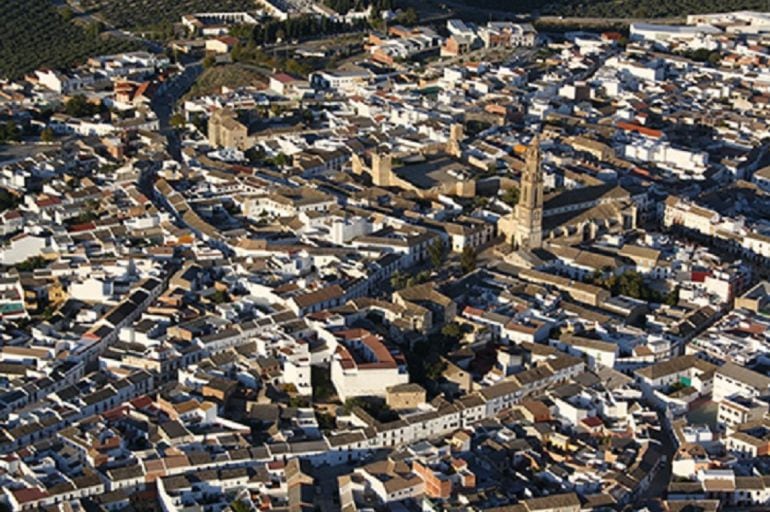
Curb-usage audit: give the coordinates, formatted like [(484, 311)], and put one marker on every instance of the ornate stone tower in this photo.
[(528, 213)]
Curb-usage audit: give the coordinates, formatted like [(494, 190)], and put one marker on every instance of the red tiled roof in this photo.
[(699, 276), (48, 201), (141, 402), (472, 311), (284, 78), (28, 494), (86, 226), (642, 130), (228, 40)]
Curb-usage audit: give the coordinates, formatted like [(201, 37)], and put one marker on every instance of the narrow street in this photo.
[(659, 485), (163, 105)]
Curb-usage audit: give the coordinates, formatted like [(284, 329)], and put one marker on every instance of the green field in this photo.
[(34, 34)]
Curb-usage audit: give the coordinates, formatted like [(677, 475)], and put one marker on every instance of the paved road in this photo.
[(27, 148), (163, 104), (659, 485)]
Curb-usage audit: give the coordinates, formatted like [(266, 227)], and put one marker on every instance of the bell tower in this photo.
[(528, 213)]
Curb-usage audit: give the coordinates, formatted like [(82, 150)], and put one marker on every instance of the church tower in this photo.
[(382, 169), (528, 213)]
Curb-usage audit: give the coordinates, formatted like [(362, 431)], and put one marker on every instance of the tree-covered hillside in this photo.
[(620, 8), (151, 13), (34, 34)]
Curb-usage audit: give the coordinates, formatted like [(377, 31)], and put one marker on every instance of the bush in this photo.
[(323, 389), (437, 252), (452, 330), (9, 132), (79, 106), (47, 135), (31, 264), (468, 260)]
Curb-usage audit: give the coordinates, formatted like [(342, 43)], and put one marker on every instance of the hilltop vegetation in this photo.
[(619, 8), (34, 34), (231, 75)]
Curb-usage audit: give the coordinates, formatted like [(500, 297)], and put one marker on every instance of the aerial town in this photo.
[(345, 256)]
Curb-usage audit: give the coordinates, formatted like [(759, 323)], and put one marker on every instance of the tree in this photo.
[(423, 277), (436, 252), (325, 421), (209, 62), (8, 200), (9, 132), (294, 67), (199, 122), (320, 378), (235, 53), (511, 196), (352, 403), (31, 264), (434, 370), (298, 401), (281, 160), (452, 330), (239, 506), (630, 284), (479, 202), (468, 259), (219, 297), (242, 31), (672, 297), (408, 17), (79, 106), (66, 13), (398, 280), (47, 135), (255, 155), (94, 29), (177, 120)]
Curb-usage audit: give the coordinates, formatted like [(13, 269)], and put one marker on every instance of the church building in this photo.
[(571, 216)]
